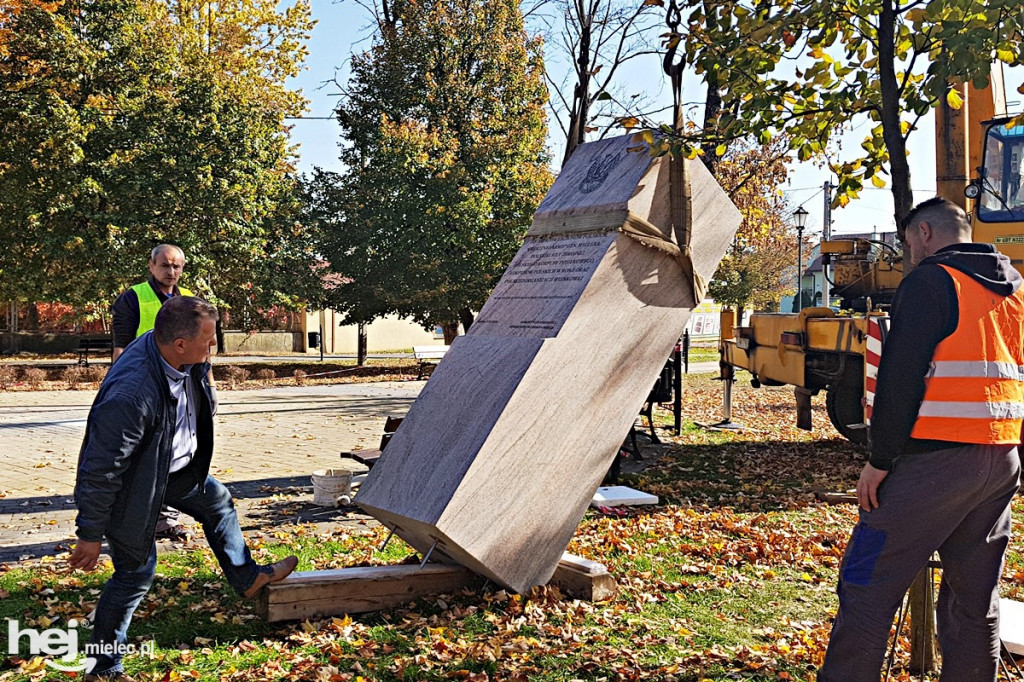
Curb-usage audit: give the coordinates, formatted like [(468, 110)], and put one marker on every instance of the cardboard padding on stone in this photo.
[(500, 455)]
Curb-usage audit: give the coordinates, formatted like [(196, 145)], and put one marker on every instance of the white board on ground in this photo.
[(621, 496), (1011, 625)]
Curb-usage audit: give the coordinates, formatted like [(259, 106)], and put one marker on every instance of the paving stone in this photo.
[(267, 440)]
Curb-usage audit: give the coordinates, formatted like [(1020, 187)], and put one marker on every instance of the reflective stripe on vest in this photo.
[(149, 306), (974, 389)]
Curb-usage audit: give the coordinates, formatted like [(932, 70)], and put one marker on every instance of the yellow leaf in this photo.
[(916, 15), (843, 200), (953, 99), (878, 182), (630, 122), (1005, 56), (720, 150), (648, 136), (35, 665)]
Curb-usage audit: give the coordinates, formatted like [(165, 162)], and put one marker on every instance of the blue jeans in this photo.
[(213, 508)]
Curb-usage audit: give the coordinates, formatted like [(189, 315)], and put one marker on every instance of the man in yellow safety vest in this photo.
[(134, 313)]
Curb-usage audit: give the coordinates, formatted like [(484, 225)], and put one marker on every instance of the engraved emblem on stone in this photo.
[(598, 173)]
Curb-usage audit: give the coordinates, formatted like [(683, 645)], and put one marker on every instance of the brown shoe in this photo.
[(116, 677), (279, 571)]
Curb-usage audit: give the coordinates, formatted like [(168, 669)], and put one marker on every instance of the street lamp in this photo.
[(800, 217)]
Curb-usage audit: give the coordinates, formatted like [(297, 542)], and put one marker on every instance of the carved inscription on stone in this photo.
[(541, 286)]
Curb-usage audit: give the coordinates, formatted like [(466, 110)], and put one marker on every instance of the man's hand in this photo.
[(867, 486), (85, 555)]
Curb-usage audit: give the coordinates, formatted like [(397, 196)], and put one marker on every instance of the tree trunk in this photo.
[(451, 331), (922, 624), (466, 317), (220, 336), (712, 108), (581, 93), (31, 317), (899, 169), (361, 344)]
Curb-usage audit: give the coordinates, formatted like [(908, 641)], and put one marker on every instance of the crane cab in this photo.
[(998, 193)]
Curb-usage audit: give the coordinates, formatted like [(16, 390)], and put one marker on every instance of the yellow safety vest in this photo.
[(149, 306)]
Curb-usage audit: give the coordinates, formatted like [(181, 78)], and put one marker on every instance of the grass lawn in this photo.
[(731, 577)]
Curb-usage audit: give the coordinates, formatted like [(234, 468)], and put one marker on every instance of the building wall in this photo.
[(263, 342), (387, 334)]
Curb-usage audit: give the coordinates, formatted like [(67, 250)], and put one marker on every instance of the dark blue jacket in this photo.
[(125, 458)]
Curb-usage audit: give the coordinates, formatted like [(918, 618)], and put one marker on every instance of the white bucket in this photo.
[(332, 487)]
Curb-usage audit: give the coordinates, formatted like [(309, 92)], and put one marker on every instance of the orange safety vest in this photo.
[(974, 390)]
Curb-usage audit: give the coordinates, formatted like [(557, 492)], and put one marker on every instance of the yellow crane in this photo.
[(979, 157)]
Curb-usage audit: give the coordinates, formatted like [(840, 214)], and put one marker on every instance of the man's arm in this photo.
[(125, 313), (117, 427)]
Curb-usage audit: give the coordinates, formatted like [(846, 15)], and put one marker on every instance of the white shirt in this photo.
[(183, 445)]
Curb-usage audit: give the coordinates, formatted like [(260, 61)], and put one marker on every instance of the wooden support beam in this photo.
[(832, 497), (584, 579), (311, 594)]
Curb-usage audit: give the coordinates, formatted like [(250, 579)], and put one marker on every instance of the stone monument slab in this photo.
[(501, 454)]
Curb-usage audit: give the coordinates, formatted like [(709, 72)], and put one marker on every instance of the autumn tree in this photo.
[(130, 124), (752, 273), (808, 69), (598, 38), (10, 10), (443, 120)]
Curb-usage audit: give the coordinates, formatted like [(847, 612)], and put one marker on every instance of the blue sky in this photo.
[(344, 28)]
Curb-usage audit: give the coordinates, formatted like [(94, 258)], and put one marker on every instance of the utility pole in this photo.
[(826, 235)]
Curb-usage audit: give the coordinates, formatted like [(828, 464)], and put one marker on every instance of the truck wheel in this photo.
[(842, 401)]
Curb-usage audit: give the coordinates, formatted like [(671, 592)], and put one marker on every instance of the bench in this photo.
[(428, 355), (94, 344), (370, 457)]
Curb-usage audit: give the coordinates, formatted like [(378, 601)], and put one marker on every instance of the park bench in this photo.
[(93, 344), (428, 355), (370, 457)]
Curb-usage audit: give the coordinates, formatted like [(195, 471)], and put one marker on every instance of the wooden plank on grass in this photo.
[(311, 594)]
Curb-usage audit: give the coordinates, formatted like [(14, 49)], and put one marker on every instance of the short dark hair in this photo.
[(181, 318), (942, 214)]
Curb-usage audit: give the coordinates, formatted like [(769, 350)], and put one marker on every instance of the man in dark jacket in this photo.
[(133, 313), (945, 427), (149, 439)]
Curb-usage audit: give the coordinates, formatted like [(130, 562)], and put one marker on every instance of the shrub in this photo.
[(96, 373), (7, 376), (236, 375), (300, 377), (266, 374), (34, 376), (74, 375)]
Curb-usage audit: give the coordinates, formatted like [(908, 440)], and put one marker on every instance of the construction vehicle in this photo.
[(979, 167)]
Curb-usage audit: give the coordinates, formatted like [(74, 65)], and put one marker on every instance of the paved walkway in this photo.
[(268, 443)]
